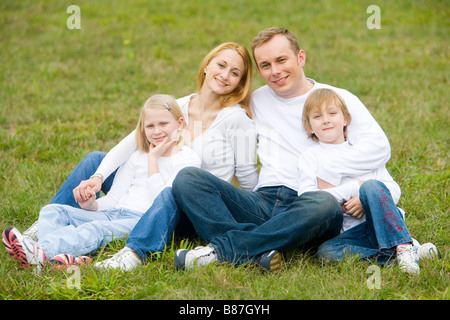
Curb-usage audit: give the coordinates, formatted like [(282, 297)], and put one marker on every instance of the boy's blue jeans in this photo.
[(242, 225), (377, 237), (153, 230)]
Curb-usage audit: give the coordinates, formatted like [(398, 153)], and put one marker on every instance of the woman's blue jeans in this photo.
[(377, 237), (242, 225), (153, 230)]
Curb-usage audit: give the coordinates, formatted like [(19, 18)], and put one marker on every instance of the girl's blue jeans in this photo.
[(156, 226), (242, 225), (378, 236), (65, 229)]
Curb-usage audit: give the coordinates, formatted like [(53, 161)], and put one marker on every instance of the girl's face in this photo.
[(160, 124), (224, 72), (328, 123)]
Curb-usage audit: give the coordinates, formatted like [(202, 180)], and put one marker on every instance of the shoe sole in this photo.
[(12, 242), (180, 259), (275, 260)]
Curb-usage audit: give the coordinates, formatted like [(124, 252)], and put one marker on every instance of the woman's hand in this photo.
[(85, 188), (90, 204)]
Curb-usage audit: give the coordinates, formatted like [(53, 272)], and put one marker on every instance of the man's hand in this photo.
[(321, 184)]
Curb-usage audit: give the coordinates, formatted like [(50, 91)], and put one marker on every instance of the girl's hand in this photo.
[(89, 204), (157, 151), (81, 192), (354, 208), (160, 149)]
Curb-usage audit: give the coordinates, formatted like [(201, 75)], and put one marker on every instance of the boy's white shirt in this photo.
[(281, 139), (227, 148), (319, 155), (133, 189)]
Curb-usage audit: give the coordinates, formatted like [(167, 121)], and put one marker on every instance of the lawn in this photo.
[(65, 92)]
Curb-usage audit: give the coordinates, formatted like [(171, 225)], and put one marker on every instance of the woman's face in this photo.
[(224, 72)]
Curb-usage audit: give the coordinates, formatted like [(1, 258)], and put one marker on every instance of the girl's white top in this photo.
[(226, 149), (317, 156), (132, 187)]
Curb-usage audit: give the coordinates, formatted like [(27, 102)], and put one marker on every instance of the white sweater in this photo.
[(281, 139), (133, 189), (314, 158), (227, 148)]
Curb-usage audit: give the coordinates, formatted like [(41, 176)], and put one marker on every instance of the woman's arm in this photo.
[(117, 156)]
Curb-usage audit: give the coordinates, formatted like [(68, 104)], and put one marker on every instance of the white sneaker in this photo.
[(31, 232), (200, 256), (27, 251), (407, 259), (124, 260), (428, 251)]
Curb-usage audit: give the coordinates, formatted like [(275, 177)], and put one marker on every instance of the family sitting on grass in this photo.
[(323, 179)]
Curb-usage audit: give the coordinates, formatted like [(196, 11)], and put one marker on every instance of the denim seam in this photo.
[(244, 209)]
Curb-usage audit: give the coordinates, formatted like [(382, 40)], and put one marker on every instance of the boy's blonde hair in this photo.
[(315, 101), (159, 101), (241, 94)]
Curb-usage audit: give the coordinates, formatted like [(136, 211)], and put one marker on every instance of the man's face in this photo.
[(280, 67)]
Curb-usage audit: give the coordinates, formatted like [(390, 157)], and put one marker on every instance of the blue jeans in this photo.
[(82, 171), (65, 229), (156, 226), (241, 225), (377, 237)]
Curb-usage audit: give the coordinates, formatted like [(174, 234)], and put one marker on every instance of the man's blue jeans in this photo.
[(153, 230), (377, 237), (241, 225)]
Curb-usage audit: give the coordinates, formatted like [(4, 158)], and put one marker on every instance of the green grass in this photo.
[(64, 93)]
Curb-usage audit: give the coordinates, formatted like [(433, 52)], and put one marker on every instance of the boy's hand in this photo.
[(354, 208)]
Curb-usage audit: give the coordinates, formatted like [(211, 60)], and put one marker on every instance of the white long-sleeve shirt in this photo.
[(132, 187), (317, 156), (282, 139), (227, 148)]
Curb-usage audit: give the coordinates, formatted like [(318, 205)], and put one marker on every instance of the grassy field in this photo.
[(65, 92)]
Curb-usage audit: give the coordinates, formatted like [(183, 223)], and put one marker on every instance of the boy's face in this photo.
[(328, 123)]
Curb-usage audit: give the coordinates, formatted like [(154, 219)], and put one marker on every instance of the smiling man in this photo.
[(243, 226)]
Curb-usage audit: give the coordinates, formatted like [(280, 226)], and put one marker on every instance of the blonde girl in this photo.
[(66, 232)]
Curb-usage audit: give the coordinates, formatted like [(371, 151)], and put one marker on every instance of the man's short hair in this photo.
[(267, 34)]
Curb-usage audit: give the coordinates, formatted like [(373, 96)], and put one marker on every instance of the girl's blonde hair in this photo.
[(315, 101), (159, 101), (241, 94)]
